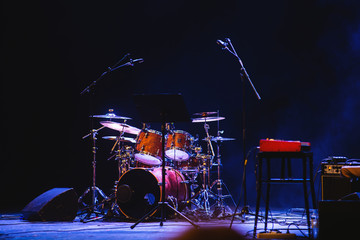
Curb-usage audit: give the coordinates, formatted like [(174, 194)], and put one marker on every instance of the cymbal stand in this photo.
[(205, 192), (220, 205), (95, 191)]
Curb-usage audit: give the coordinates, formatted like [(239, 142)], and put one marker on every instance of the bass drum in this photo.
[(139, 190)]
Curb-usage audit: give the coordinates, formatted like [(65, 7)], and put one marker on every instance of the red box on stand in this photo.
[(272, 145)]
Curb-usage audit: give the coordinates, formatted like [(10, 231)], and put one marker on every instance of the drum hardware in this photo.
[(113, 210), (94, 190), (123, 155), (202, 197), (161, 108), (220, 204)]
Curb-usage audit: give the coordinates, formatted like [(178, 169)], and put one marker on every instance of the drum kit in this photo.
[(189, 186)]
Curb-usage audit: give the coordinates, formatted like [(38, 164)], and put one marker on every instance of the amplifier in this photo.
[(333, 185), (331, 169)]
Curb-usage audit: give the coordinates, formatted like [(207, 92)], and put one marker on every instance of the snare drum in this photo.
[(148, 147), (178, 145)]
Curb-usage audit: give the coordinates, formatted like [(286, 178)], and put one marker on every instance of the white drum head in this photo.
[(177, 155), (147, 159)]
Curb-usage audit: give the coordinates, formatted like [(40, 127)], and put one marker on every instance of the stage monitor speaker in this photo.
[(339, 219), (334, 187), (57, 204)]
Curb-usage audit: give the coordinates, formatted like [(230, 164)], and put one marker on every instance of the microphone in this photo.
[(139, 60), (222, 44)]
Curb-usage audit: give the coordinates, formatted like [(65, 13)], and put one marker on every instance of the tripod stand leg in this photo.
[(144, 217), (182, 215)]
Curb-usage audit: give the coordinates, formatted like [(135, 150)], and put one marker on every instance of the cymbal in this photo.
[(204, 114), (207, 119), (111, 116), (122, 139), (121, 127), (220, 139)]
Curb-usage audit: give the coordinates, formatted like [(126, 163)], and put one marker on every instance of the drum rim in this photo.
[(151, 131), (180, 131)]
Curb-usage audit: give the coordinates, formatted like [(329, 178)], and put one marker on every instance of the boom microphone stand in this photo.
[(244, 77), (94, 190)]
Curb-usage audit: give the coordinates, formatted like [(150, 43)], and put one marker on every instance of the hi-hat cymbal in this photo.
[(111, 115), (220, 139), (207, 119), (122, 139), (121, 127), (204, 114)]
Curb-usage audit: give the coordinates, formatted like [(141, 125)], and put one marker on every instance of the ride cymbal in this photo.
[(111, 116), (207, 119)]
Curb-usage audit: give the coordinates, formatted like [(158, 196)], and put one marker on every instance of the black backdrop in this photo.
[(303, 57)]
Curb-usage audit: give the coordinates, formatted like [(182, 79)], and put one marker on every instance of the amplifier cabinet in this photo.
[(334, 187)]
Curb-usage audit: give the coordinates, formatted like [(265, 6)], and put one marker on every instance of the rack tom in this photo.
[(178, 145), (148, 147)]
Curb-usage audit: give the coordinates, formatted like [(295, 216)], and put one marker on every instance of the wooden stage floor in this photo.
[(13, 227)]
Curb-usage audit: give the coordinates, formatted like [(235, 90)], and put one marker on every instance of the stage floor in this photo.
[(13, 227)]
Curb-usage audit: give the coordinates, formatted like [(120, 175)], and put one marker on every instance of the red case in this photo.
[(271, 145)]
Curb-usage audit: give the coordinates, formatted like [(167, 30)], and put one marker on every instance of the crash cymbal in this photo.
[(204, 114), (121, 127), (207, 119), (111, 115), (219, 139), (122, 139)]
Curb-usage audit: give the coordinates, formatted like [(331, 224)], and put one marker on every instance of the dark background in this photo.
[(303, 57)]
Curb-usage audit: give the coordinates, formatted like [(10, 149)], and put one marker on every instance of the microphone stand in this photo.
[(94, 190), (109, 70), (244, 77)]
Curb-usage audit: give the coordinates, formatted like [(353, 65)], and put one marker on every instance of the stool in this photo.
[(305, 156)]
